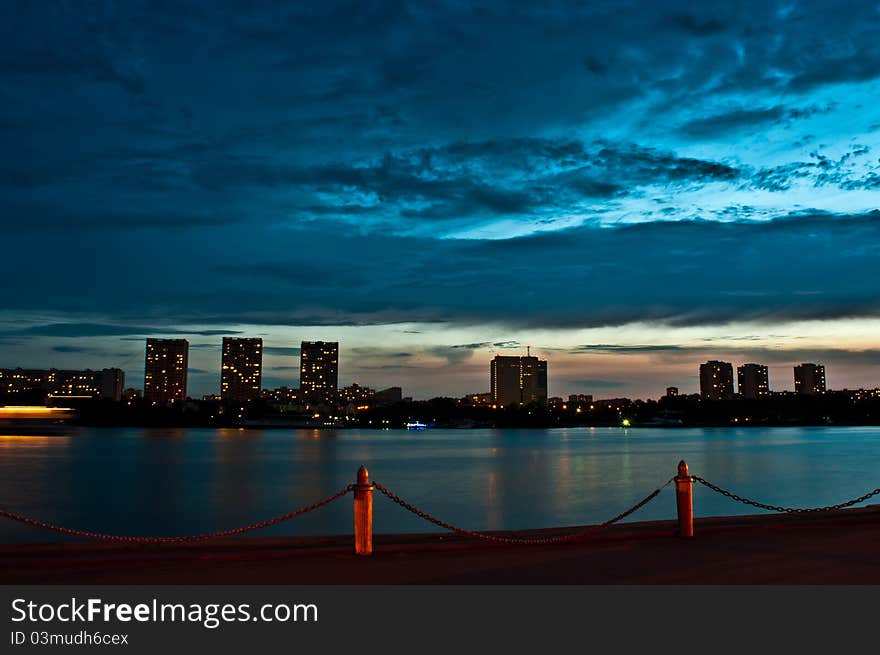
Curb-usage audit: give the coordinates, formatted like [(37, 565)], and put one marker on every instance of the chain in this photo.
[(173, 540), (428, 517), (516, 540), (784, 510)]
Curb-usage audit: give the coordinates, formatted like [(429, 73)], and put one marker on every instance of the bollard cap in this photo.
[(363, 475), (682, 469)]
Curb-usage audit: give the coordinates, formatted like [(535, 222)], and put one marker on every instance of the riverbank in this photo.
[(841, 547)]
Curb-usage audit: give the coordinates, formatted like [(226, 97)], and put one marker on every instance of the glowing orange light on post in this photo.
[(684, 500), (363, 513)]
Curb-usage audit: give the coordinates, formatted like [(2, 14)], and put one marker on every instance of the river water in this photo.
[(163, 482)]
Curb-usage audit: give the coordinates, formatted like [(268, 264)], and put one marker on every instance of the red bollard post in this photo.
[(363, 513), (684, 499)]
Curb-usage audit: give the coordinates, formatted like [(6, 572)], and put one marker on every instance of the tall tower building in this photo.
[(241, 373), (112, 383), (716, 380), (540, 393), (809, 379), (515, 379), (319, 370), (165, 370), (753, 380)]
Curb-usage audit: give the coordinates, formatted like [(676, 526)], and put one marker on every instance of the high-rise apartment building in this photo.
[(57, 383), (388, 396), (165, 370), (319, 370), (519, 380), (716, 380), (22, 380), (241, 374), (753, 380), (809, 379), (106, 383)]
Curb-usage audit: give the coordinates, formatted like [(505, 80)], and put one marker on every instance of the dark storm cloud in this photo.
[(61, 51), (685, 273), (692, 24), (26, 218), (467, 182), (505, 177), (743, 118), (857, 66), (401, 117)]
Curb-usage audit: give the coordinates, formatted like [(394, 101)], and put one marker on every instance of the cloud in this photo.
[(746, 118), (27, 216), (469, 181), (673, 354), (680, 273), (619, 349), (506, 344), (454, 355), (859, 66), (284, 351), (70, 349), (438, 132), (76, 330), (80, 61), (694, 25)]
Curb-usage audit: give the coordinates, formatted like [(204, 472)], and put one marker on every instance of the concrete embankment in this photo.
[(841, 547)]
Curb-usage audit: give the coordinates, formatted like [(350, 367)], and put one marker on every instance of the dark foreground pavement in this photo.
[(840, 547)]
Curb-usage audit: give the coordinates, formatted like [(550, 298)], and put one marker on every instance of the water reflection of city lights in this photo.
[(24, 441)]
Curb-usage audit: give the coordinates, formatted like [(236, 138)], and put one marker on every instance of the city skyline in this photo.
[(629, 207), (510, 376)]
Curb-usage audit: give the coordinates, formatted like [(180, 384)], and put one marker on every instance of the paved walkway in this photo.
[(840, 548)]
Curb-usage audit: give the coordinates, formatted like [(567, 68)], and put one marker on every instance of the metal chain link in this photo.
[(428, 517), (516, 540), (172, 540), (784, 510)]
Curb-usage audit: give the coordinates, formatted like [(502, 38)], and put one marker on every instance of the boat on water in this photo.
[(30, 420), (416, 425)]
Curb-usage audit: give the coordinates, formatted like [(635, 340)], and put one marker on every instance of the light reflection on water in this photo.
[(182, 481), (21, 442)]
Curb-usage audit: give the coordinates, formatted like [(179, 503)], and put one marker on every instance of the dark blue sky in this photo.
[(628, 187)]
